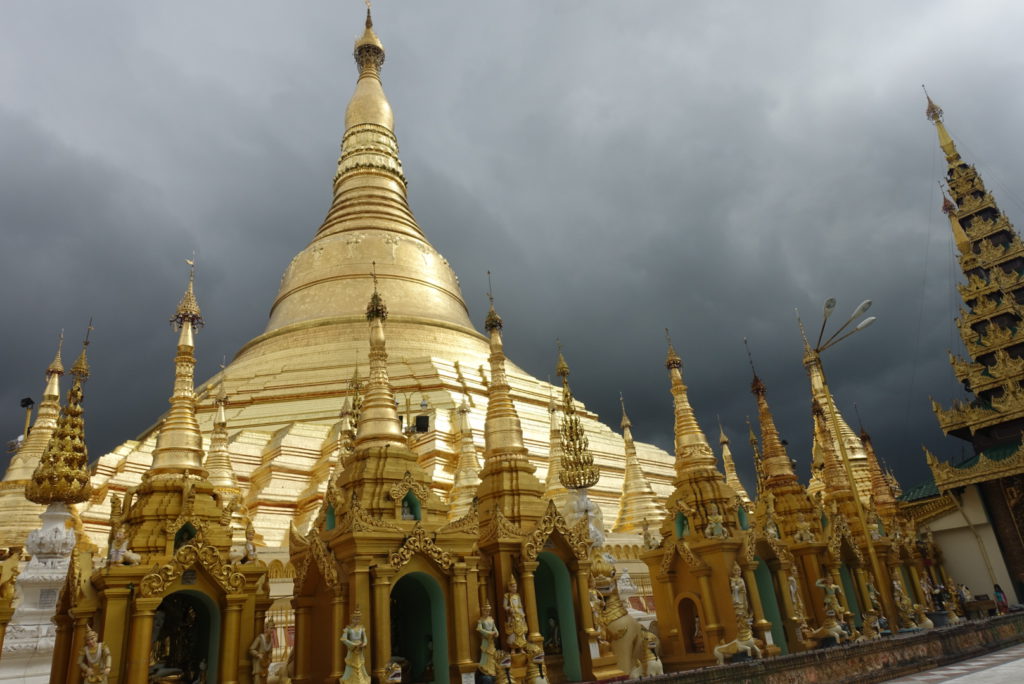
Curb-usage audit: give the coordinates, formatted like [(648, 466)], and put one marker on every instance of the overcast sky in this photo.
[(620, 167)]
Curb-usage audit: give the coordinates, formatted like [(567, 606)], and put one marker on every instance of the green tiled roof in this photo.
[(923, 490)]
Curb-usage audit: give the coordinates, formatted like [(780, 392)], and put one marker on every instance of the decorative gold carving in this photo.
[(420, 542), (407, 484), (974, 287), (552, 520), (685, 552), (196, 552), (357, 519), (324, 559), (1011, 400), (949, 477), (500, 527), (972, 203), (467, 524), (63, 471), (838, 530)]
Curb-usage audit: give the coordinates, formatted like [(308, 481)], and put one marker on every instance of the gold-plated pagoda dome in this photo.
[(62, 475), (369, 221)]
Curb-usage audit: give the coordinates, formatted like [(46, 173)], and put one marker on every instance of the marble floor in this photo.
[(999, 667)]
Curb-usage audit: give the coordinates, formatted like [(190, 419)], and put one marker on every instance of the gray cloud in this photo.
[(620, 169)]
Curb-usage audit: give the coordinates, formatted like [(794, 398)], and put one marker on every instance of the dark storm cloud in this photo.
[(621, 168)]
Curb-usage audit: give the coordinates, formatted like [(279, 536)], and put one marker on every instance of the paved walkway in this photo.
[(999, 667)]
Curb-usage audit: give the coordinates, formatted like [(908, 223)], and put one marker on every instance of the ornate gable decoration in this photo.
[(578, 538), (357, 519), (693, 561), (500, 527), (196, 552), (407, 484), (949, 477), (187, 513), (419, 542), (324, 559), (467, 524), (839, 529)]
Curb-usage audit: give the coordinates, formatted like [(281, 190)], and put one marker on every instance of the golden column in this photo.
[(712, 628), (381, 636), (231, 645), (141, 640), (338, 623), (760, 623), (460, 596), (303, 627), (530, 599)]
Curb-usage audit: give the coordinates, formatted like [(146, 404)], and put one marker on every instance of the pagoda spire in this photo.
[(700, 488), (62, 474), (854, 447), (378, 418), (731, 477), (881, 489), (638, 502), (990, 322), (467, 471), (218, 460), (34, 443), (179, 445), (508, 484), (692, 448), (934, 114), (755, 451), (775, 462)]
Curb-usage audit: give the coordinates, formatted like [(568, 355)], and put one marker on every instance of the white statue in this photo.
[(119, 553), (94, 659)]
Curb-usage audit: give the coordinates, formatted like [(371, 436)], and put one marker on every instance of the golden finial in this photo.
[(56, 367), (672, 360), (188, 307), (626, 423), (561, 367), (932, 111), (80, 369), (756, 386), (493, 320), (376, 308), (369, 51), (722, 438), (62, 475)]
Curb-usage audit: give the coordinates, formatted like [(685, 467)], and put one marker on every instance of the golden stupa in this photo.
[(286, 387), (372, 454)]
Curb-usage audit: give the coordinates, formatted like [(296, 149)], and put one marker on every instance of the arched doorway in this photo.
[(553, 589), (768, 590), (419, 629), (689, 626), (186, 637)]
